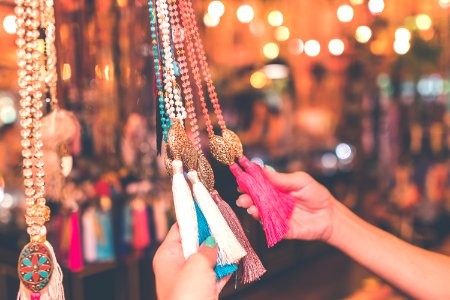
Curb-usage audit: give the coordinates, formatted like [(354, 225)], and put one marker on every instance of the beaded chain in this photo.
[(48, 22), (29, 67), (172, 98), (178, 36), (190, 23), (165, 122)]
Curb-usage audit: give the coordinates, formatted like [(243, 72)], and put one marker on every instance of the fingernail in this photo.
[(239, 191), (269, 168), (249, 211), (237, 204), (210, 242)]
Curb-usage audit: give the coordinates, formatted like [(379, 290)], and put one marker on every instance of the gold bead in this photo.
[(233, 140), (221, 150), (205, 173)]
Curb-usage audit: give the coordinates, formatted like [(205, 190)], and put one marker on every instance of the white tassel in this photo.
[(185, 210), (54, 290), (230, 250)]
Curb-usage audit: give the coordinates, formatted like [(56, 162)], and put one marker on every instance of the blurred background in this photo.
[(355, 92)]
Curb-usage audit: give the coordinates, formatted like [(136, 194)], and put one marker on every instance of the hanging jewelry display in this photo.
[(252, 268), (275, 207), (38, 270)]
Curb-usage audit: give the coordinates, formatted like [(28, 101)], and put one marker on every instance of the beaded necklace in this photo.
[(38, 269)]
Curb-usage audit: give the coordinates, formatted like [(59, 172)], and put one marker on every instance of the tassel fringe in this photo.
[(273, 220), (230, 250), (184, 210), (251, 266)]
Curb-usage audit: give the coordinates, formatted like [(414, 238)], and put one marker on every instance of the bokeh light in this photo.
[(9, 24), (376, 6), (258, 80), (271, 50), (282, 33), (444, 3), (210, 21), (336, 47), (423, 22), (356, 2), (216, 9), (312, 48), (363, 34), (275, 18), (402, 34), (345, 13), (296, 46), (245, 13), (401, 47), (257, 28)]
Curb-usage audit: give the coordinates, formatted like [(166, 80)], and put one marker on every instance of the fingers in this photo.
[(206, 257), (173, 235), (246, 202), (222, 282), (288, 182)]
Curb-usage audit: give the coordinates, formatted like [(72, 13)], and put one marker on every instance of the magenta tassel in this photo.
[(273, 220), (251, 266), (75, 255), (35, 296), (283, 200)]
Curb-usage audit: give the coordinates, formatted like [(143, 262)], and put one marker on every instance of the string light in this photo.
[(356, 2), (345, 13), (312, 48), (258, 80), (271, 50), (423, 22), (66, 72), (245, 13), (257, 28), (444, 3), (336, 47), (9, 24), (402, 34), (216, 9), (401, 46), (275, 18), (376, 6), (363, 34), (282, 33), (296, 46), (210, 21)]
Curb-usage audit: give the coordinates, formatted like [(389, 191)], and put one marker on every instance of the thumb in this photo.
[(206, 257), (288, 182)]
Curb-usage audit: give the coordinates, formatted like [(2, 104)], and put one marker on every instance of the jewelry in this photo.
[(37, 266)]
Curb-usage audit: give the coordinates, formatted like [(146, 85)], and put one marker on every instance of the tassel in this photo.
[(230, 251), (54, 290), (283, 201), (75, 256), (273, 220), (251, 266), (203, 233), (184, 210), (141, 234)]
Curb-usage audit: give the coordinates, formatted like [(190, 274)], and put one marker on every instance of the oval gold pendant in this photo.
[(35, 266)]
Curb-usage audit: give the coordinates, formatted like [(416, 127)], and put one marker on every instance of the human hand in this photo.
[(194, 278), (312, 217)]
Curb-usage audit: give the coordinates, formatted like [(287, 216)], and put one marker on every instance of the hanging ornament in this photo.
[(275, 206), (39, 272)]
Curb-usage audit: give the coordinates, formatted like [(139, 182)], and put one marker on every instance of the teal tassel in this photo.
[(203, 233)]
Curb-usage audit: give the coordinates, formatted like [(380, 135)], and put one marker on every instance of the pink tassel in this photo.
[(273, 220), (252, 269), (141, 235), (283, 201), (35, 296), (75, 256)]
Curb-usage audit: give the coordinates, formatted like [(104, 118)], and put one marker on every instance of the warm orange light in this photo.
[(275, 18), (9, 24), (258, 80), (345, 13), (216, 9), (66, 72), (296, 46), (282, 33), (271, 50), (210, 21), (363, 34), (423, 22), (312, 48), (245, 13), (336, 47)]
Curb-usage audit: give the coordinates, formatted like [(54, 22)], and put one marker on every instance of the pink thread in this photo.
[(283, 200), (75, 255), (273, 220)]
